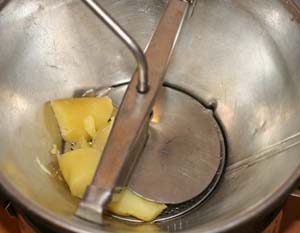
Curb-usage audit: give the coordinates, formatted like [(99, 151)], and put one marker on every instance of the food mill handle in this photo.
[(130, 130)]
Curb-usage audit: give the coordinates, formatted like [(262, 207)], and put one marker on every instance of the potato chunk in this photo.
[(101, 137), (129, 204), (83, 119), (78, 168), (90, 126), (75, 115), (82, 143)]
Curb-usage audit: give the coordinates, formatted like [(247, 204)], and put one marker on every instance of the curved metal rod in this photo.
[(130, 129), (135, 49)]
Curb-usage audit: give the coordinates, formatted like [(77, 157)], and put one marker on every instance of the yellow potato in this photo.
[(74, 116), (80, 120), (129, 204), (101, 137), (78, 168), (90, 126), (82, 143)]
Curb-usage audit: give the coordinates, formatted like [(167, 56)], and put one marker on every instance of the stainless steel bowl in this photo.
[(242, 55)]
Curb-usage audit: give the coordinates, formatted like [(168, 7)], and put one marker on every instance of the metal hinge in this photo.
[(191, 8)]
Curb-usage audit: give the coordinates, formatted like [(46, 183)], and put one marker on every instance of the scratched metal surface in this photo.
[(242, 54)]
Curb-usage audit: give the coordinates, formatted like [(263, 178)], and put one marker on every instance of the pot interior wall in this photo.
[(243, 55)]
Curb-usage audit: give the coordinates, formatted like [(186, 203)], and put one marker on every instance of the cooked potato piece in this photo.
[(78, 168), (76, 116), (83, 119), (90, 126), (101, 137), (82, 143), (129, 204)]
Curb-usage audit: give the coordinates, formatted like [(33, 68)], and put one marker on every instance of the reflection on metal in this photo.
[(266, 153), (296, 193)]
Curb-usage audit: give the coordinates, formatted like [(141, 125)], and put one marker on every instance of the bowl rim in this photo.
[(228, 224)]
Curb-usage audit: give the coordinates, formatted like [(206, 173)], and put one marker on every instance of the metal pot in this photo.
[(240, 56)]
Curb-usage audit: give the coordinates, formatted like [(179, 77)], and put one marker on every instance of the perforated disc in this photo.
[(183, 153)]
